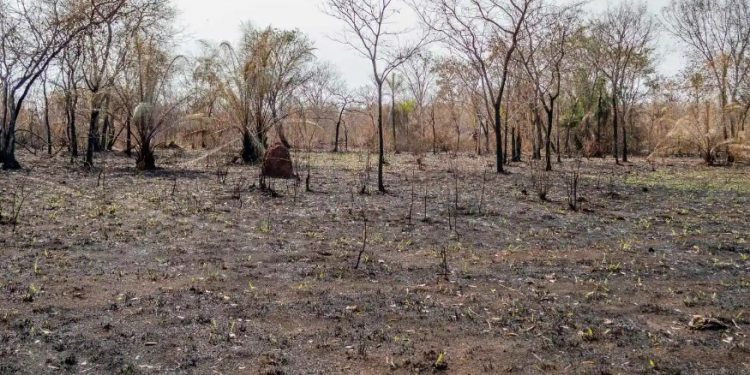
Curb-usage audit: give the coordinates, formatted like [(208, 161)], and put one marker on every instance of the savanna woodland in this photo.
[(520, 186)]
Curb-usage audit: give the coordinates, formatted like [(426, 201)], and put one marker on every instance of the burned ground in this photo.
[(186, 270)]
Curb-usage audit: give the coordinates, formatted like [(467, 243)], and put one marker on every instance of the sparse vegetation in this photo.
[(583, 208)]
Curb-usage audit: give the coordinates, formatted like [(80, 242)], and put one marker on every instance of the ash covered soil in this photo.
[(185, 270)]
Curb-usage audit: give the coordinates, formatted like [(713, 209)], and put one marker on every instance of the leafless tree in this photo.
[(453, 91), (327, 98), (32, 34), (69, 82), (544, 55), (717, 34), (370, 33), (419, 73), (106, 49), (395, 85), (486, 33), (620, 39)]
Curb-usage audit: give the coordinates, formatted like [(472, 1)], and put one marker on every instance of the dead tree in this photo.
[(475, 29), (370, 34), (544, 54), (32, 35)]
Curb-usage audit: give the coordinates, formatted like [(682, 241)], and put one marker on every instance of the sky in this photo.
[(219, 20)]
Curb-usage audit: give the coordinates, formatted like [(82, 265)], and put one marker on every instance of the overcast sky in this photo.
[(219, 20)]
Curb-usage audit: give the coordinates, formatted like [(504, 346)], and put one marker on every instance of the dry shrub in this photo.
[(540, 179), (593, 149), (572, 176)]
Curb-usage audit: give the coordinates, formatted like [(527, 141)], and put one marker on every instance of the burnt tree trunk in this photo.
[(145, 160), (505, 146), (559, 150), (498, 137), (615, 124), (625, 139), (8, 132), (338, 128), (538, 139), (548, 139), (434, 132), (336, 139), (92, 138), (393, 121), (8, 149), (519, 149), (104, 137), (250, 154), (381, 147), (46, 118), (128, 138)]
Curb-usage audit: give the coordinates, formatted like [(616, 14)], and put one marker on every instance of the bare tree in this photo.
[(395, 84), (544, 56), (344, 100), (453, 92), (69, 81), (619, 40), (47, 125), (32, 34), (327, 98), (419, 73), (717, 34), (486, 33), (106, 49), (370, 34)]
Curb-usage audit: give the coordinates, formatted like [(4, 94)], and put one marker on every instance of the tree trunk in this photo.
[(615, 120), (505, 146), (336, 139), (260, 131), (723, 101), (128, 138), (8, 133), (146, 160), (393, 122), (346, 139), (381, 147), (601, 118), (478, 135), (625, 140), (458, 130), (338, 129), (557, 126), (498, 137), (537, 154), (250, 154), (92, 138), (46, 119), (434, 132), (548, 139), (104, 137), (71, 112), (8, 150), (519, 150)]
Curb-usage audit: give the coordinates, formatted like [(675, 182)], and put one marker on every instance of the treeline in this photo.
[(517, 78)]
